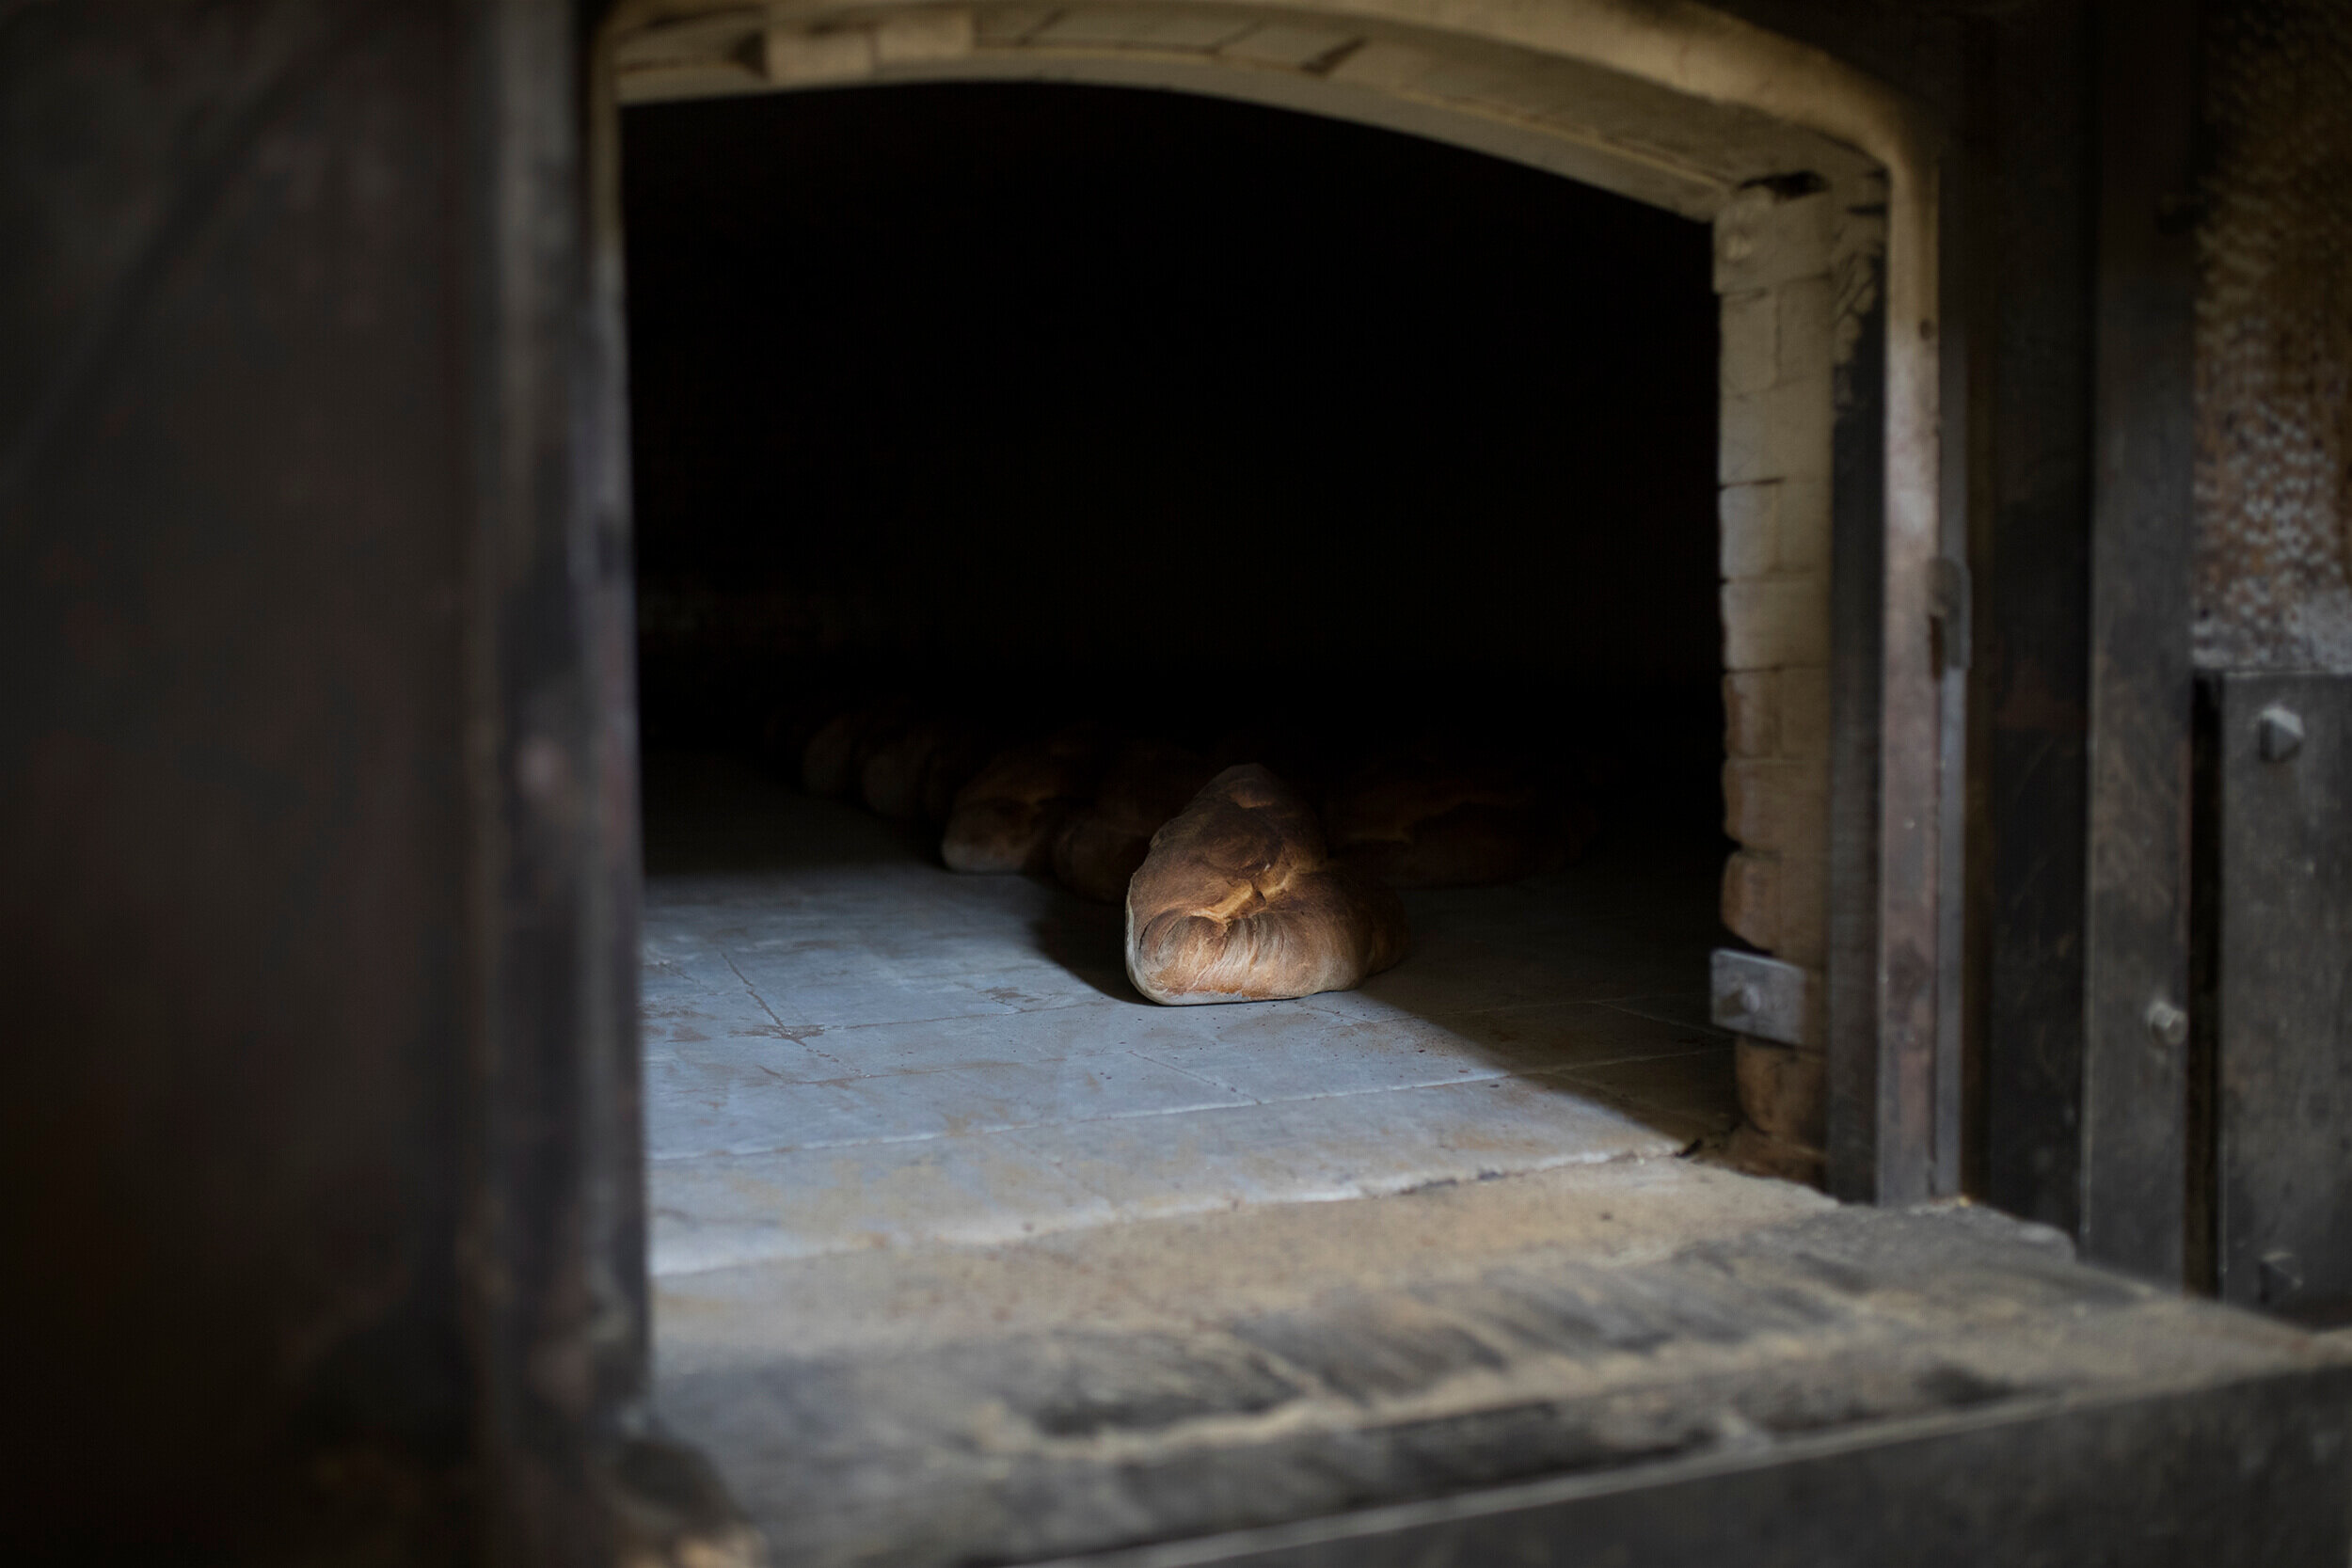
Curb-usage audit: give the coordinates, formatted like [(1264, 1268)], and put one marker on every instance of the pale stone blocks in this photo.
[(1390, 67), (794, 58), (1780, 433), (1285, 45), (1781, 713), (1805, 327), (1769, 622), (1783, 1089), (1779, 314), (913, 38), (1801, 525), (1176, 31), (1771, 528), (1761, 240), (1774, 526), (1752, 714), (1751, 905), (1803, 892), (1748, 535), (1803, 696), (1751, 342), (1012, 24), (1771, 803), (1487, 82)]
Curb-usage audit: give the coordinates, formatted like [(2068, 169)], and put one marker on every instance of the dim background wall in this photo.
[(1239, 415)]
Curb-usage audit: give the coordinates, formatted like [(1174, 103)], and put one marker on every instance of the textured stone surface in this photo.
[(1752, 714), (1780, 324), (1801, 525), (1148, 1381), (846, 1047), (1770, 804), (1804, 898), (1780, 328), (1783, 1090), (1771, 622), (1780, 433), (1761, 240), (1751, 324), (1748, 516), (1751, 898), (1803, 693)]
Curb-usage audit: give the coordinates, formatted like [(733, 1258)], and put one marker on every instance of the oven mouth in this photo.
[(911, 584)]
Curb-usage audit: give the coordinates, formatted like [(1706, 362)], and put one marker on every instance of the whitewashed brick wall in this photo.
[(1773, 271)]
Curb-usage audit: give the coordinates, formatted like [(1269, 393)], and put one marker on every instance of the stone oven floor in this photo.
[(850, 1047), (963, 1255)]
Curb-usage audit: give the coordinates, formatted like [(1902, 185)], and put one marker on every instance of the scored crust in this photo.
[(1100, 847), (1237, 901), (1005, 818)]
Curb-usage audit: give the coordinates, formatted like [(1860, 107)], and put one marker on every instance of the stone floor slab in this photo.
[(818, 1018)]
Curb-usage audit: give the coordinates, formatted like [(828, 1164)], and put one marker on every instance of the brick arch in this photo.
[(1820, 187)]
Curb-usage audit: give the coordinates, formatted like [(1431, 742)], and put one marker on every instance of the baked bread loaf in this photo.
[(788, 727), (899, 769), (1238, 902), (1421, 820), (833, 763), (1099, 846), (960, 756), (1005, 818)]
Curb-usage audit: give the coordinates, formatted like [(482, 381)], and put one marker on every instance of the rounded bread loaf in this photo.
[(891, 783), (1237, 901), (832, 765), (1099, 846), (1005, 817)]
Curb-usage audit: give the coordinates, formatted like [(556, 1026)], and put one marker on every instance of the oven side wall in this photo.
[(1781, 314), (234, 871), (313, 876), (2012, 85)]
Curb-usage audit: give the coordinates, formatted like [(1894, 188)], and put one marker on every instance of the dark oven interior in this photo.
[(965, 415)]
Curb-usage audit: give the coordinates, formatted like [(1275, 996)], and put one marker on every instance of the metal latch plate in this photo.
[(1765, 997)]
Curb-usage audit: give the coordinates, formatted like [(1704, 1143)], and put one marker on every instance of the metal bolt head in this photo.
[(2279, 732), (1738, 1003), (2166, 1022)]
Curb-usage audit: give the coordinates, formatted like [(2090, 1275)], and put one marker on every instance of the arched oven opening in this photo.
[(1042, 489)]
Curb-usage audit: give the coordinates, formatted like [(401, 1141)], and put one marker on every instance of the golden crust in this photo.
[(1238, 901)]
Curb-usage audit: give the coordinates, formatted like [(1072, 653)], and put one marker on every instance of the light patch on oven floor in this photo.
[(848, 1047)]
